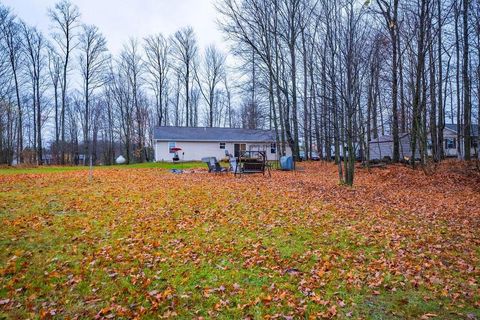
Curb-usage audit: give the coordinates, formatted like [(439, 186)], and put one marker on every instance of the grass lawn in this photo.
[(57, 169), (142, 242)]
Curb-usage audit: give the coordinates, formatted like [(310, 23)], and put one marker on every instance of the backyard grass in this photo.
[(138, 242), (57, 169)]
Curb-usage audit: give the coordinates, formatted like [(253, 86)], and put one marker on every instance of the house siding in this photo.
[(196, 150), (449, 134), (453, 152), (379, 150)]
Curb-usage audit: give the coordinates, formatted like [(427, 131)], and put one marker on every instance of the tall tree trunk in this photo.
[(404, 122), (316, 119), (86, 133), (187, 95), (39, 120), (441, 111), (419, 74), (293, 62), (19, 150), (394, 35), (306, 114), (64, 101), (57, 122), (467, 108), (457, 75), (433, 104)]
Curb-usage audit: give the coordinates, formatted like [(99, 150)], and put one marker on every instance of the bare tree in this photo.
[(228, 94), (418, 142), (441, 111), (133, 68), (185, 50), (13, 45), (211, 75), (93, 64), (157, 50), (467, 108), (8, 117), (389, 10), (65, 18), (119, 94), (35, 46), (55, 72)]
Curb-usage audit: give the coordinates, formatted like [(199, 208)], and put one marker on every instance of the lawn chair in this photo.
[(213, 165)]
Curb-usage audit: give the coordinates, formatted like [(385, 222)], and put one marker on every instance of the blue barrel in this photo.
[(286, 163)]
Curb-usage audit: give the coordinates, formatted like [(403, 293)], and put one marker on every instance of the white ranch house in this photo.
[(200, 142)]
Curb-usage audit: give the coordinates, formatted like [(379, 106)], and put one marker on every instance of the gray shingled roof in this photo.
[(453, 127), (212, 134)]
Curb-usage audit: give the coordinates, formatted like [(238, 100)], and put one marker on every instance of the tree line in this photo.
[(331, 75), (66, 95), (327, 76)]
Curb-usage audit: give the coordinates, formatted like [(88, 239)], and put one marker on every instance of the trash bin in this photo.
[(286, 163)]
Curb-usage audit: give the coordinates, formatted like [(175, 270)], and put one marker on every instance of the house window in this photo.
[(273, 148), (171, 145), (450, 143), (474, 144), (222, 145)]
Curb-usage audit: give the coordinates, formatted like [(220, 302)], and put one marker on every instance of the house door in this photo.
[(238, 147)]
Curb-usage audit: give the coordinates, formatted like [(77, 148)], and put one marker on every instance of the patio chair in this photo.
[(213, 165)]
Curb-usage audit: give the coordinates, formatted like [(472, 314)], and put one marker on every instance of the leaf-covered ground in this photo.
[(146, 243)]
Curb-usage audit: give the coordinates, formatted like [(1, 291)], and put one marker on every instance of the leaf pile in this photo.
[(144, 243)]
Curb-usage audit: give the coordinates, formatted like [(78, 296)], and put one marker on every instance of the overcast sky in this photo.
[(119, 20)]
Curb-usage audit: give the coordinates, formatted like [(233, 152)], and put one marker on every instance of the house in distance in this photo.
[(383, 146), (450, 140), (200, 142)]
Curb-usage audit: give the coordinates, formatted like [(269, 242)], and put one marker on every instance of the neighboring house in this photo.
[(450, 138), (197, 143), (383, 147)]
